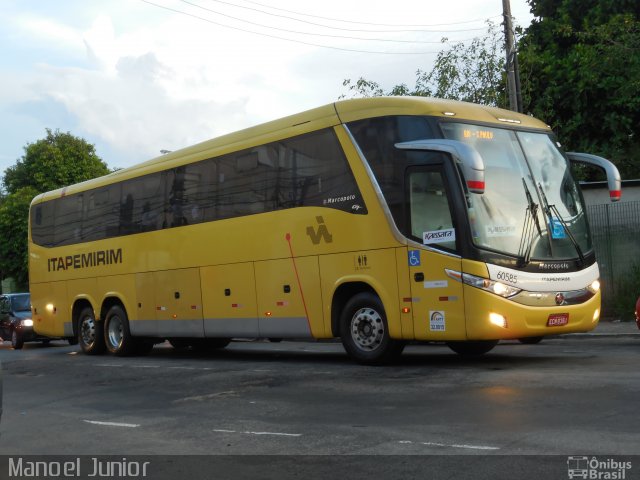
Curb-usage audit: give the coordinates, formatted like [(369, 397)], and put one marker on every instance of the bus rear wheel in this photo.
[(364, 331), (473, 348), (90, 333), (117, 336)]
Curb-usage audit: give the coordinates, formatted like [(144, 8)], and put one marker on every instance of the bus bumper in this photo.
[(491, 317)]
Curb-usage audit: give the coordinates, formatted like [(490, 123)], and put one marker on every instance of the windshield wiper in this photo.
[(550, 211), (528, 232)]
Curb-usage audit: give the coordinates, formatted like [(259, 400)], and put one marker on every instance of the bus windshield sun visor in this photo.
[(614, 181), (467, 157)]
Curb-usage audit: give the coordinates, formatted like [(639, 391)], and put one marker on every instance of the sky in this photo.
[(134, 77)]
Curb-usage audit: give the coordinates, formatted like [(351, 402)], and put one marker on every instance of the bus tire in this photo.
[(90, 333), (117, 335), (364, 331), (473, 348)]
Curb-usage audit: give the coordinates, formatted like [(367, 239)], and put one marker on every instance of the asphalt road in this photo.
[(565, 396)]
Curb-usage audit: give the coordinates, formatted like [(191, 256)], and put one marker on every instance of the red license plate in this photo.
[(558, 320)]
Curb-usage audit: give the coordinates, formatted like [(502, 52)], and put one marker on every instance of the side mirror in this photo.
[(464, 155), (613, 175)]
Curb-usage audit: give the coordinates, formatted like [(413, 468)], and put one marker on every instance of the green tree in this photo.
[(472, 73), (580, 70), (59, 159), (14, 211)]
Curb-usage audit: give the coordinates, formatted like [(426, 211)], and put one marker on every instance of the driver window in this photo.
[(430, 216)]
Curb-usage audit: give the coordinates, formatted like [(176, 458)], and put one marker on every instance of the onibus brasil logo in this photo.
[(595, 468)]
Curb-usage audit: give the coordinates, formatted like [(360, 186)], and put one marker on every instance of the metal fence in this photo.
[(616, 238)]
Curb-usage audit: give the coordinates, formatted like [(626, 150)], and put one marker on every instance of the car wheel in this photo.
[(16, 340), (117, 334), (364, 331), (472, 348), (90, 333)]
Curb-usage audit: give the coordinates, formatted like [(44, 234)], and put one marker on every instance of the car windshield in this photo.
[(530, 196), (21, 303)]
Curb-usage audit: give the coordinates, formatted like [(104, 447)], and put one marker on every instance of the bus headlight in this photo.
[(492, 286), (27, 322), (594, 287), (498, 320)]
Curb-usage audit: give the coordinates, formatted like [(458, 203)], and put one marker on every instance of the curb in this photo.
[(598, 335)]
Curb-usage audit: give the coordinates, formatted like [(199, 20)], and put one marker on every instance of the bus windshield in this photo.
[(528, 181)]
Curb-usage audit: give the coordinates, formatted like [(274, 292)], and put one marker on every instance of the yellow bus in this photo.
[(379, 221)]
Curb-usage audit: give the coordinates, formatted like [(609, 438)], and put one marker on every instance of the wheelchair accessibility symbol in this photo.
[(414, 258)]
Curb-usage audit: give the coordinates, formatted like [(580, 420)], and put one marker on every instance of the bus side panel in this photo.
[(146, 302), (229, 300), (122, 287), (404, 287), (85, 288), (52, 309), (288, 291), (178, 303), (438, 300), (376, 268)]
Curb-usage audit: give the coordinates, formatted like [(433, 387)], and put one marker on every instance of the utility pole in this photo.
[(513, 75)]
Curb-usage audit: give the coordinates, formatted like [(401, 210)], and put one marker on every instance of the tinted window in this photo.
[(376, 138), (310, 170)]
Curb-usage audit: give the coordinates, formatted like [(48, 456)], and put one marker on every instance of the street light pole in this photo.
[(513, 76)]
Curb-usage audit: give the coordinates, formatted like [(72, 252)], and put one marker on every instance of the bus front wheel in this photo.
[(364, 331), (90, 334), (117, 336)]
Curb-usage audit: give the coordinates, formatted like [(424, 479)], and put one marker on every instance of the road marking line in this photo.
[(177, 367), (209, 396), (280, 434), (452, 445), (113, 424)]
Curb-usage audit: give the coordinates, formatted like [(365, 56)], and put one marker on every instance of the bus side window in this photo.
[(42, 224), (317, 173), (429, 205), (99, 215), (68, 219)]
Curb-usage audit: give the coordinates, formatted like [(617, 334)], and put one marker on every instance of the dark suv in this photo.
[(16, 323)]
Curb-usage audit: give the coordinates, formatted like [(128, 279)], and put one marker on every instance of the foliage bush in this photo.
[(627, 291)]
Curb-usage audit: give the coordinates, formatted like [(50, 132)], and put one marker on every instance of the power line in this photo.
[(323, 25), (284, 38), (369, 23), (297, 32)]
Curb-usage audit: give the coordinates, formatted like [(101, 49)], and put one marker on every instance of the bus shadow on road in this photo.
[(331, 353)]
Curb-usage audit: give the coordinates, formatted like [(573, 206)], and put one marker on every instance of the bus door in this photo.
[(437, 298)]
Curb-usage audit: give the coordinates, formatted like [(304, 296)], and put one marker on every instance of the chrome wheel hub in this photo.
[(114, 331), (88, 330), (367, 329)]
